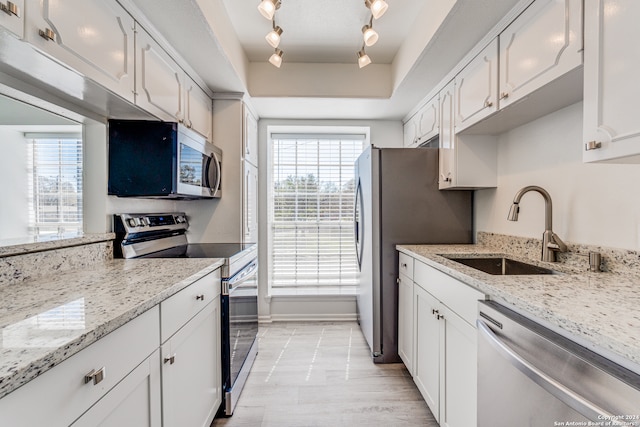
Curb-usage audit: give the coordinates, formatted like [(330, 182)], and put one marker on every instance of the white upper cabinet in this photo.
[(447, 141), (428, 120), (250, 137), (423, 125), (611, 90), (159, 80), (410, 132), (12, 16), (542, 44), (93, 37), (477, 88), (199, 109), (250, 204)]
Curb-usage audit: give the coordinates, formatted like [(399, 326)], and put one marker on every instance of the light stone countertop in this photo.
[(31, 244), (599, 310), (81, 306)]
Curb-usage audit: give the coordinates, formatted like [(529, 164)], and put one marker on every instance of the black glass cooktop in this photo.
[(202, 250)]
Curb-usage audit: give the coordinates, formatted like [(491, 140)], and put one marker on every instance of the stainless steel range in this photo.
[(163, 236)]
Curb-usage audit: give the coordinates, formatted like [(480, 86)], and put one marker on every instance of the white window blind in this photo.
[(312, 208), (55, 168)]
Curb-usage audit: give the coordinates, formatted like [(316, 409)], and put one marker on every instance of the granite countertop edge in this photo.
[(29, 370), (589, 332)]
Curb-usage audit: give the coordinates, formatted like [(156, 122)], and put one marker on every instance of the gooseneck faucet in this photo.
[(551, 243)]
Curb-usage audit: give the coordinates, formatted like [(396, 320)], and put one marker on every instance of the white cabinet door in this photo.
[(429, 120), (135, 401), (447, 142), (611, 90), (191, 378), (250, 138), (410, 132), (250, 203), (428, 334), (476, 88), (12, 16), (159, 80), (541, 45), (405, 321), (458, 406), (198, 109), (93, 37)]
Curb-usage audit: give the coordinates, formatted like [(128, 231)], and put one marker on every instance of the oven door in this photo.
[(239, 330)]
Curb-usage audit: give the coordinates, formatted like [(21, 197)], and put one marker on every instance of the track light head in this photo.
[(369, 35), (363, 59), (378, 7), (273, 38), (268, 8), (276, 58)]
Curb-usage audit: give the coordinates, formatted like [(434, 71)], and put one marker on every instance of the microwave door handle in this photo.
[(218, 169), (205, 171)]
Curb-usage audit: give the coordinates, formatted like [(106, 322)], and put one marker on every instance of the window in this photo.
[(55, 188), (312, 245)]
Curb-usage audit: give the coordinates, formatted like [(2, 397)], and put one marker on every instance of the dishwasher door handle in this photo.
[(566, 395)]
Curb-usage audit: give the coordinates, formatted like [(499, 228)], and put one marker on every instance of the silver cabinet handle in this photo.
[(504, 95), (10, 9), (171, 359), (95, 376), (200, 297), (47, 34), (552, 386), (488, 104), (592, 145)]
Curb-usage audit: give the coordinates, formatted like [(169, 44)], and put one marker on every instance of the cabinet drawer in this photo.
[(178, 309), (60, 395), (459, 297), (405, 265)]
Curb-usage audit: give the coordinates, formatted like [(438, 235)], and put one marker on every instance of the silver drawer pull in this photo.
[(592, 145), (10, 9), (504, 95), (488, 104), (47, 34), (200, 297), (95, 376), (171, 359)]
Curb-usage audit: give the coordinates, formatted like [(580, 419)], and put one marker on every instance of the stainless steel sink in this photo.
[(501, 266)]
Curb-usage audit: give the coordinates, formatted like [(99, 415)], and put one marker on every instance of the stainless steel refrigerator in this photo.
[(398, 202)]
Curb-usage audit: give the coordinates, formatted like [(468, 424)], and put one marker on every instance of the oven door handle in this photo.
[(241, 277), (557, 389)]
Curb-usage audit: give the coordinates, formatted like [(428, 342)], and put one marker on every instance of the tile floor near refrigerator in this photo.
[(321, 374)]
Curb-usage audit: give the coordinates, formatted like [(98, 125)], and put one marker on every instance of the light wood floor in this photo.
[(320, 374)]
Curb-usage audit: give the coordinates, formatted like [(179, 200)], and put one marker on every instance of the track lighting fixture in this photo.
[(363, 58), (268, 8), (378, 7), (273, 38), (276, 58)]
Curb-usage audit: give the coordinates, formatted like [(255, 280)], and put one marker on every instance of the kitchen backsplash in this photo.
[(27, 262), (621, 261)]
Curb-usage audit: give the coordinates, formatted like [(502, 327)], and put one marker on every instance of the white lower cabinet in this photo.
[(135, 401), (444, 343), (405, 321), (104, 370), (191, 377)]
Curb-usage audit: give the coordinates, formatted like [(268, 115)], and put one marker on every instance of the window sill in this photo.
[(313, 291)]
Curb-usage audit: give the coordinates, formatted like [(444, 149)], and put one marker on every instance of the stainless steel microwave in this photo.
[(162, 160)]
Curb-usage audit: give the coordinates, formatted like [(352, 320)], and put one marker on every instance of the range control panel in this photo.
[(137, 223)]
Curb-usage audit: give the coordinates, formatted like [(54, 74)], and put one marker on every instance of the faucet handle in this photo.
[(556, 244)]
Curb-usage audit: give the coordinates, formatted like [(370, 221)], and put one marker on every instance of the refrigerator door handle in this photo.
[(358, 219)]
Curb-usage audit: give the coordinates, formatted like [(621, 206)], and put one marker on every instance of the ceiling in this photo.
[(421, 41)]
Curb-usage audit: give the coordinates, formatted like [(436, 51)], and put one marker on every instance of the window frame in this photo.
[(325, 132)]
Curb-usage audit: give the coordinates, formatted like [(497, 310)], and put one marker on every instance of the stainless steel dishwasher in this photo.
[(531, 376)]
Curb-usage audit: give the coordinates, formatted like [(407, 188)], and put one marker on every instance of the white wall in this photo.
[(14, 193), (595, 204), (382, 134)]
